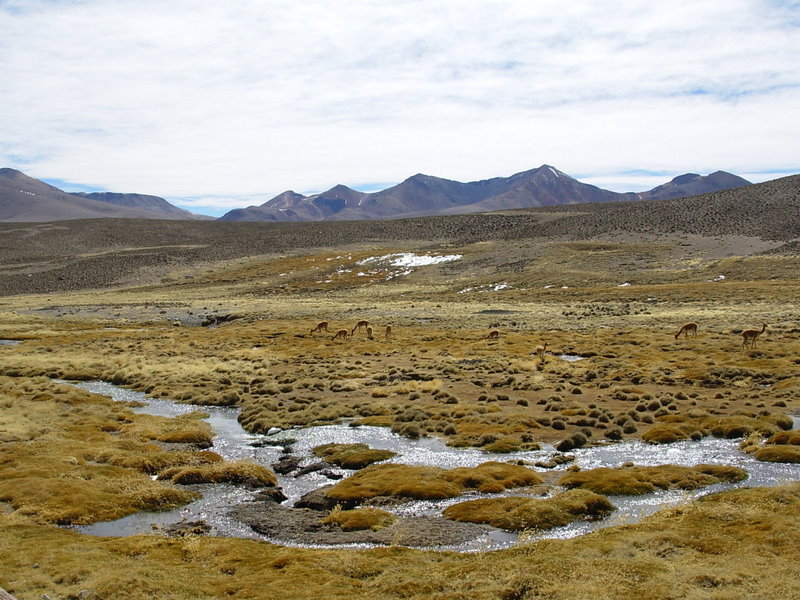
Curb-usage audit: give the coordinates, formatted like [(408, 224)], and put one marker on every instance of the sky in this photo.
[(221, 105)]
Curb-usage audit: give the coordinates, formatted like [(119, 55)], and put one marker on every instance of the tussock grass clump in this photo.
[(188, 428), (351, 456), (82, 495), (429, 483), (635, 481), (737, 426), (782, 447), (791, 438), (146, 457), (520, 513), (503, 445), (667, 433), (360, 519), (237, 473), (779, 453)]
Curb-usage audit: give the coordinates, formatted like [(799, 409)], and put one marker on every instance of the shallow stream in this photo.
[(233, 443)]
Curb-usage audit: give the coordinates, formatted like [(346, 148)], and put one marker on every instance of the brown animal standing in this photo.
[(686, 329), (493, 335), (359, 326), (388, 335), (540, 350), (342, 334), (749, 336), (322, 326)]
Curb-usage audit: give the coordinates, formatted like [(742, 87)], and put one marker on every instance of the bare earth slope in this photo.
[(79, 254)]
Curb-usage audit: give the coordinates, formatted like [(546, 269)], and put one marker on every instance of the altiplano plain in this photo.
[(224, 314)]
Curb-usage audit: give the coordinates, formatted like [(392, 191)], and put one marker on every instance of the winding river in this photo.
[(233, 443)]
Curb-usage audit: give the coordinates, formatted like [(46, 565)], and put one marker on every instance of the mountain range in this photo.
[(425, 195), (25, 199)]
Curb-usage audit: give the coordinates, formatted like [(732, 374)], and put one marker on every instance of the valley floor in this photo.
[(239, 332)]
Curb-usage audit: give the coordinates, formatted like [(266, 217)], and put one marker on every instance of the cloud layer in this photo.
[(230, 103)]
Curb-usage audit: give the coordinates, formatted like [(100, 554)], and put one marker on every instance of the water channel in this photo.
[(233, 443)]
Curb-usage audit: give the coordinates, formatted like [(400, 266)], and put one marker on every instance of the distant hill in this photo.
[(96, 253), (692, 184), (25, 199), (426, 195), (139, 201)]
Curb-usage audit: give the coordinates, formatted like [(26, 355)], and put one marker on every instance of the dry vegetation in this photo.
[(351, 456), (634, 481), (429, 483), (67, 456), (526, 514)]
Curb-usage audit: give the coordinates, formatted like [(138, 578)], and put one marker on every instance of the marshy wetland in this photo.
[(484, 470)]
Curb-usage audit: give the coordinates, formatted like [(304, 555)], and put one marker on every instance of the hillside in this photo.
[(25, 199), (99, 253), (140, 201)]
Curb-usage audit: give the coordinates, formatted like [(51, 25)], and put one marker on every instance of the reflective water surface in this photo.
[(233, 443)]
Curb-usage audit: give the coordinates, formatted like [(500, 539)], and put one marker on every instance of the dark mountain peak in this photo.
[(11, 173), (543, 173), (421, 179), (339, 195), (685, 178), (692, 184), (729, 180), (341, 190), (285, 199)]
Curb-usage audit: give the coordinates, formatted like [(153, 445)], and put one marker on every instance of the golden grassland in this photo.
[(737, 545), (68, 456)]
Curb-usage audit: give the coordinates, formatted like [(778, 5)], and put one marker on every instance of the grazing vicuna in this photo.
[(749, 336), (359, 326), (686, 329), (322, 326)]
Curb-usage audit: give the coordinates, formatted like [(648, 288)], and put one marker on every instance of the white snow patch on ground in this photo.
[(409, 259), (486, 288)]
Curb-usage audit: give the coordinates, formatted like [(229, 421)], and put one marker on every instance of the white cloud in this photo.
[(244, 99)]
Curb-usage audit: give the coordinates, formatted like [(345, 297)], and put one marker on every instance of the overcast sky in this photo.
[(222, 104)]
